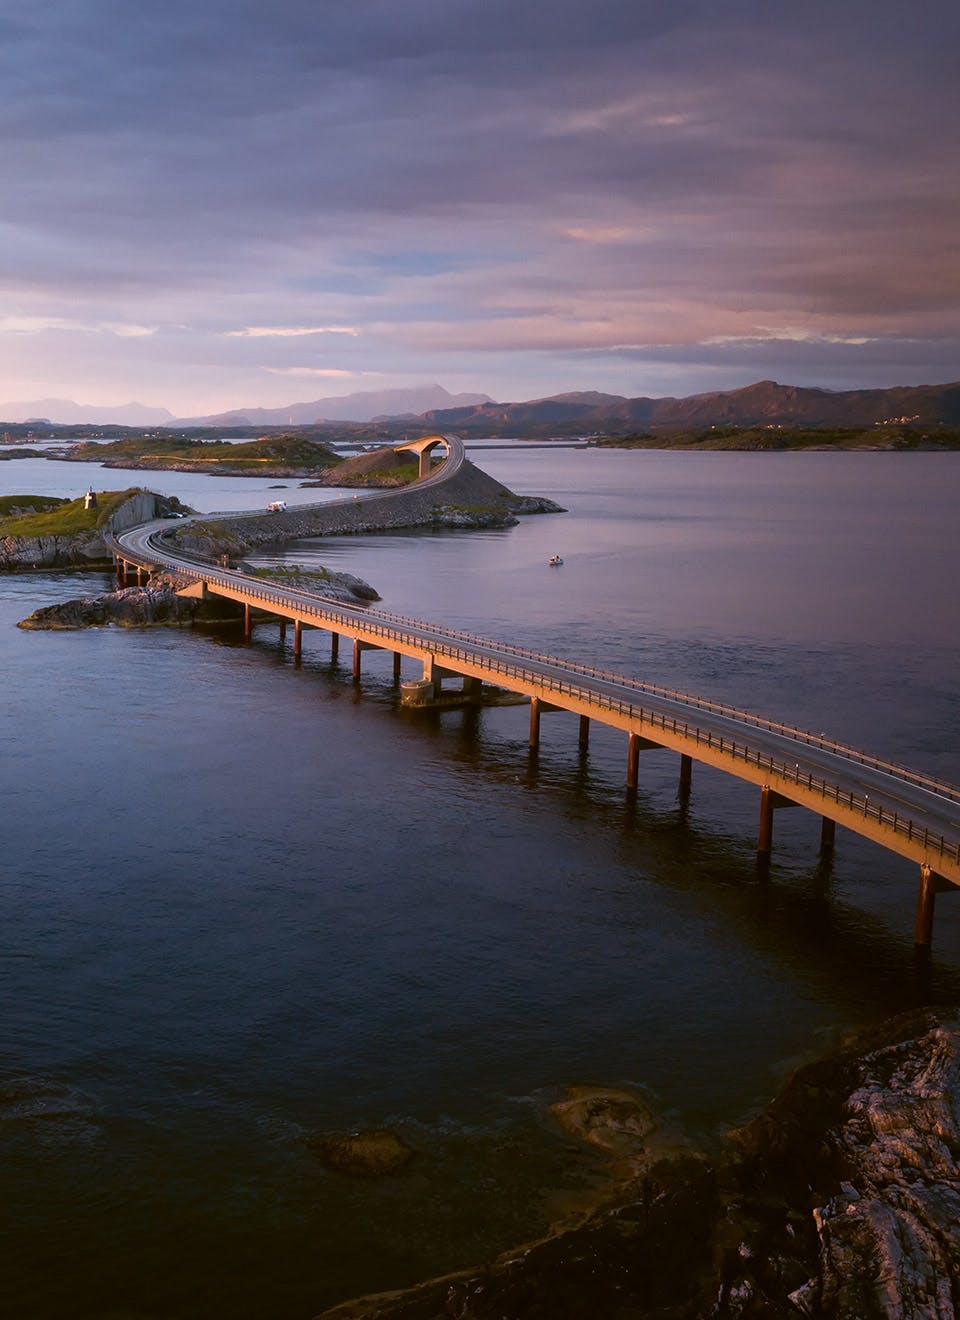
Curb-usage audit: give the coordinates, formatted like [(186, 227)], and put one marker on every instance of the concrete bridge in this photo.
[(907, 812)]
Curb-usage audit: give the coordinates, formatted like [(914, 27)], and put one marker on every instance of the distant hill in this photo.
[(763, 404), (364, 406), (65, 411)]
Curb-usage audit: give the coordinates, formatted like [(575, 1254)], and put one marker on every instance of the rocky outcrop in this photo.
[(131, 607), (841, 1200), (346, 587)]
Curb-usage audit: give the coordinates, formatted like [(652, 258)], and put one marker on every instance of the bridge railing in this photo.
[(446, 644), (387, 631), (819, 741)]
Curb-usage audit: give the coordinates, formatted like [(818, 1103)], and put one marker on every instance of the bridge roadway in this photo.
[(909, 813)]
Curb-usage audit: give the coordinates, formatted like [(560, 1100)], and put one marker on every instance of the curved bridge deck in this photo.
[(907, 812)]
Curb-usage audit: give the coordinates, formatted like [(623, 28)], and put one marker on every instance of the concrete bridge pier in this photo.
[(931, 884), (583, 738), (633, 760), (283, 629), (686, 774), (297, 640), (636, 743), (535, 724), (247, 623), (828, 835), (358, 648), (397, 659), (770, 802), (538, 707)]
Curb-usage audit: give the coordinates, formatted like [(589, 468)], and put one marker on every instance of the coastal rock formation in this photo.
[(85, 549), (157, 604), (131, 607), (346, 587), (841, 1200)]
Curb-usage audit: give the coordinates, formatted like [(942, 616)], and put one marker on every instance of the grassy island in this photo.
[(278, 455)]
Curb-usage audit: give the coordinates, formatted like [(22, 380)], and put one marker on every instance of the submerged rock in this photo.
[(614, 1120), (373, 1153)]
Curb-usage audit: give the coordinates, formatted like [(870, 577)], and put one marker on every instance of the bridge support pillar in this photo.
[(424, 469), (397, 658), (584, 737), (534, 723), (283, 629), (686, 774), (357, 652), (923, 933), (770, 801), (633, 759), (828, 834), (765, 834), (247, 624), (334, 647), (297, 640), (931, 884)]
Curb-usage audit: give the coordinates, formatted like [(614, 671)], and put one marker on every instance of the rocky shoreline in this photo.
[(841, 1200)]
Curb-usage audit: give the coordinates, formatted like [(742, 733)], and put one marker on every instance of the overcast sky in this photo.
[(215, 203)]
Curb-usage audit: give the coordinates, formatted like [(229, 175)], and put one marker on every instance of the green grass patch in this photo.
[(66, 518), (12, 505)]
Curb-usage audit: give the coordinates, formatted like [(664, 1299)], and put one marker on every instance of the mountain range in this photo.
[(364, 406), (766, 403), (763, 404)]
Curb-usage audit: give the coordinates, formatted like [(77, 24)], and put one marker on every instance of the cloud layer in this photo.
[(204, 201)]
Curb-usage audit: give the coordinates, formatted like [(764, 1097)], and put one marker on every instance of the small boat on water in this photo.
[(554, 561)]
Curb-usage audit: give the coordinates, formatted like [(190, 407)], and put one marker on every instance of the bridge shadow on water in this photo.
[(793, 908)]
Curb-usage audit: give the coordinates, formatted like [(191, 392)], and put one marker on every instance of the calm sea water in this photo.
[(244, 903)]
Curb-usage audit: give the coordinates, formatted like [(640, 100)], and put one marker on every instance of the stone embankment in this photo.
[(841, 1201), (83, 549), (468, 499)]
